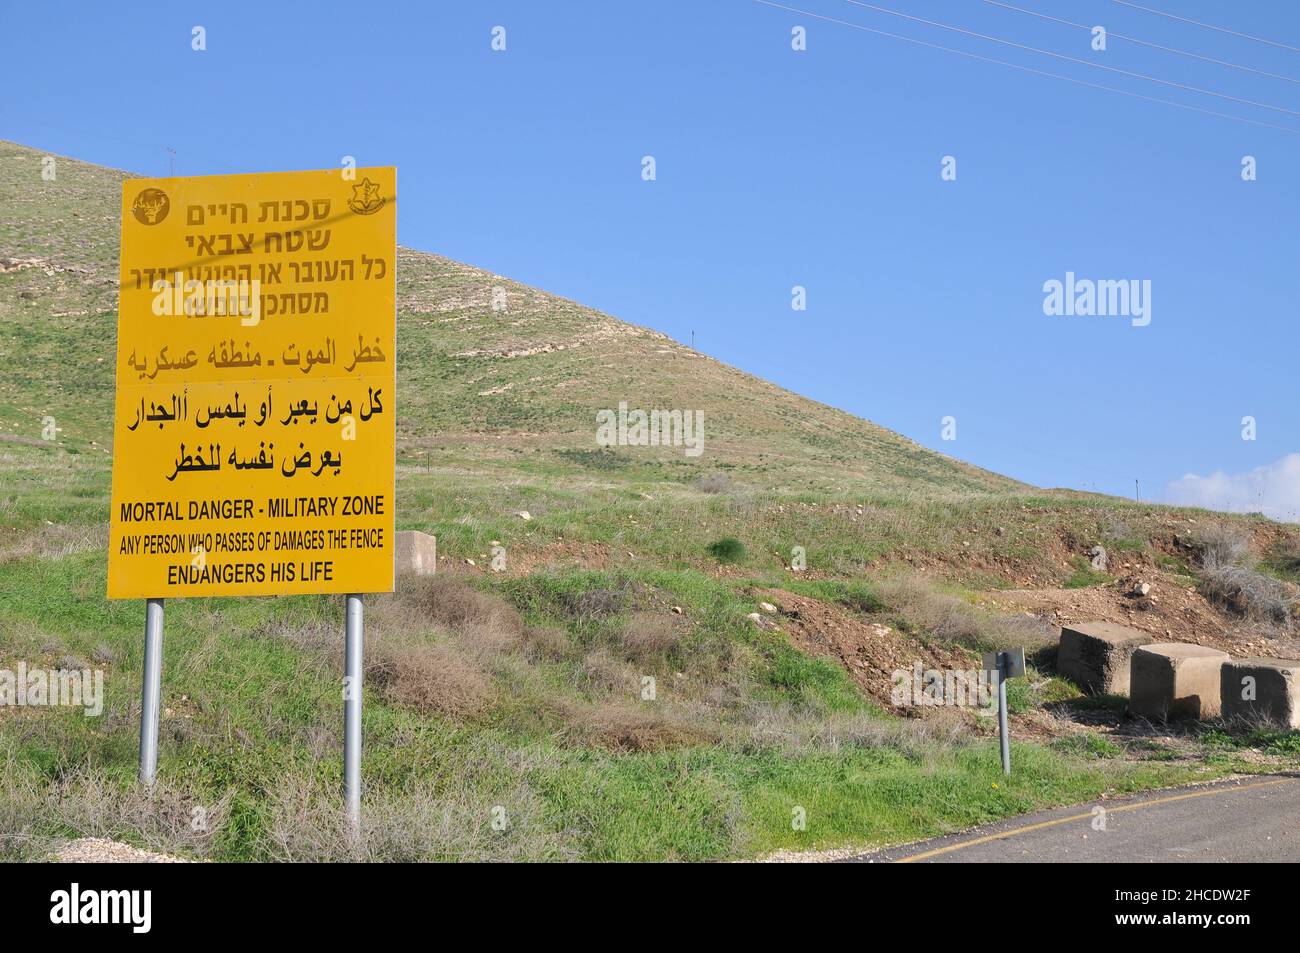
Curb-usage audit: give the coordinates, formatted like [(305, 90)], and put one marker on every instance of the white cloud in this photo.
[(1273, 490)]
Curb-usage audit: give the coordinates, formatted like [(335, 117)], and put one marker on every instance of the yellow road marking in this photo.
[(1078, 817)]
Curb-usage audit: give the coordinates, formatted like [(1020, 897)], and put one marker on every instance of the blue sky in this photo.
[(778, 168)]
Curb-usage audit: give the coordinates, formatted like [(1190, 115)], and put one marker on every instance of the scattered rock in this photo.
[(524, 515), (767, 607), (1097, 557), (677, 610)]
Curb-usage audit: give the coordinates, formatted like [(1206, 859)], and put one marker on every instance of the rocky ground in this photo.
[(99, 850)]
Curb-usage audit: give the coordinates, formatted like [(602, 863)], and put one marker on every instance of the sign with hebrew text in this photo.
[(253, 440)]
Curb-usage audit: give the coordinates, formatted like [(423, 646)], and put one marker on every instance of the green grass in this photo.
[(1269, 740), (814, 682), (1089, 745), (1177, 567), (1020, 696), (253, 702), (1084, 576), (1283, 562), (1128, 545), (853, 594)]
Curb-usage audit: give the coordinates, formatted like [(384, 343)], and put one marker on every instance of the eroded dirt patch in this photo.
[(1171, 612), (870, 652)]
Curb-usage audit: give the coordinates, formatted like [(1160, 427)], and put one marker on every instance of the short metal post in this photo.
[(151, 690), (352, 677), (1003, 734)]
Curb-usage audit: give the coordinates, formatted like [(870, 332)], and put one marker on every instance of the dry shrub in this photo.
[(944, 617), (1114, 526), (1222, 544), (596, 603), (163, 817), (88, 804), (602, 672), (618, 727), (949, 619), (484, 623), (436, 645), (419, 823), (21, 811), (1287, 556), (1030, 631), (430, 678), (446, 600), (714, 483), (550, 643), (1247, 593), (799, 732), (650, 634)]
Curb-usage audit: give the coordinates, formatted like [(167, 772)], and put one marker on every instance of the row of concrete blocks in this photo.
[(1166, 680)]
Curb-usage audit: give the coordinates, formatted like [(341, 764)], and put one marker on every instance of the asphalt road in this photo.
[(1254, 820)]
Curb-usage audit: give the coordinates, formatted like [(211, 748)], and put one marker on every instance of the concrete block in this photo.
[(1262, 690), (416, 553), (1096, 655), (1175, 680)]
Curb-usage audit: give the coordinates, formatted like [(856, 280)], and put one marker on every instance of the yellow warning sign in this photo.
[(253, 440)]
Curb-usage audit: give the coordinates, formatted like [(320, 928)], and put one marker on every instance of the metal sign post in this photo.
[(1004, 665), (151, 690), (352, 680), (1003, 735)]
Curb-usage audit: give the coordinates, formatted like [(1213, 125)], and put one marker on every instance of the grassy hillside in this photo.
[(524, 689), (527, 379)]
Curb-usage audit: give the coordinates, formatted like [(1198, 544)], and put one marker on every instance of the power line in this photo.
[(1073, 59), (1154, 46), (1208, 26), (1027, 69)]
